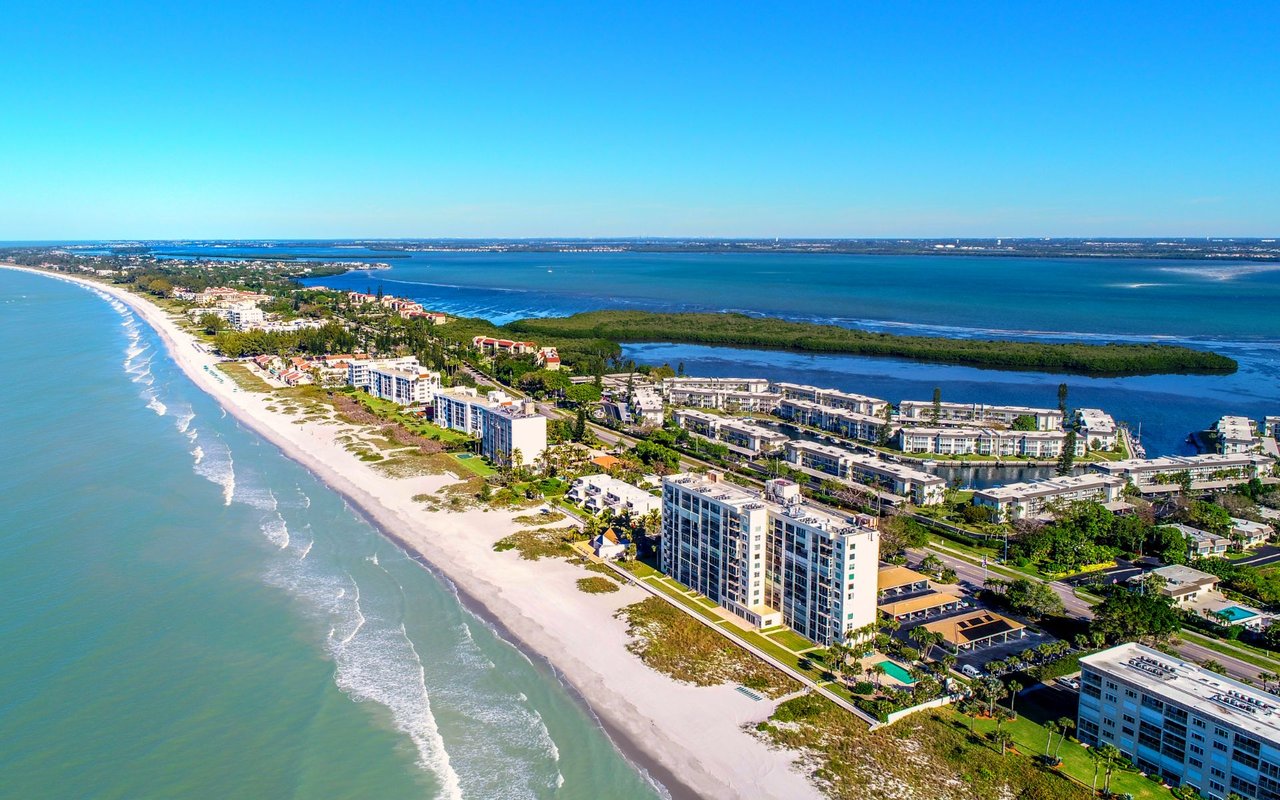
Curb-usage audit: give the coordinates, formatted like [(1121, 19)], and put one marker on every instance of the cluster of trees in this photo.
[(1124, 616), (1024, 596), (740, 329), (1087, 533), (330, 338)]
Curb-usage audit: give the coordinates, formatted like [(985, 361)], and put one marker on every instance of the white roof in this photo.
[(1208, 694)]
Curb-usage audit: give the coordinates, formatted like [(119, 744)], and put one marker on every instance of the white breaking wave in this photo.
[(213, 462), (153, 403), (276, 529), (374, 658)]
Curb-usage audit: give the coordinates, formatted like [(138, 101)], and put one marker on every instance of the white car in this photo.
[(971, 671)]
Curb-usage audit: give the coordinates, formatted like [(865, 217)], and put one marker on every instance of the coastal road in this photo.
[(1190, 647)]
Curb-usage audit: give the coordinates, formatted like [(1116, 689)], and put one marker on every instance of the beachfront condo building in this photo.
[(832, 398), (502, 424), (1017, 501), (915, 412), (742, 436), (400, 380), (1186, 724), (245, 317), (1097, 429), (1237, 435), (726, 394), (836, 463), (995, 442), (514, 433), (1206, 471), (768, 558), (842, 422)]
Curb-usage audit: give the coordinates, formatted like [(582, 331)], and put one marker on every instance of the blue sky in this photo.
[(281, 119)]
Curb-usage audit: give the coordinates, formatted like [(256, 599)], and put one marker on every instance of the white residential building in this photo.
[(997, 442), (1179, 721), (840, 421), (1097, 428), (509, 429), (1202, 544), (1236, 435), (739, 435), (245, 317), (728, 394), (645, 405), (1271, 427), (1207, 471), (1025, 500), (825, 461), (596, 493), (359, 365), (769, 558), (832, 398), (406, 385), (922, 411), (503, 425), (1246, 533)]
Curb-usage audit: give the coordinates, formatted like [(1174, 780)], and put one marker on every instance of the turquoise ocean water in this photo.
[(190, 614)]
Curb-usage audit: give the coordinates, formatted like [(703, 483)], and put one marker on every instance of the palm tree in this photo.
[(878, 670), (1051, 728), (1111, 755), (1096, 754), (1065, 726), (948, 662), (1014, 687), (1002, 738)]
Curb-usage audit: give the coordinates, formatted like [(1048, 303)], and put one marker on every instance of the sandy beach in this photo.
[(691, 739)]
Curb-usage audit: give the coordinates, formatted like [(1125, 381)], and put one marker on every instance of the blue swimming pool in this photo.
[(894, 671), (1237, 614)]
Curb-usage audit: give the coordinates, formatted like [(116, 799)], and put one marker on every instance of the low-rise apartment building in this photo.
[(840, 421), (768, 558), (488, 344), (1236, 435), (922, 411), (1202, 544), (1097, 428), (1271, 427), (996, 442), (597, 493), (1182, 584), (740, 435), (1206, 471), (826, 461), (1016, 501), (1246, 533), (832, 398), (1186, 724)]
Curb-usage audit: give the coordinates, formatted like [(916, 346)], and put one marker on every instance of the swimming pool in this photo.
[(894, 671), (1237, 614)]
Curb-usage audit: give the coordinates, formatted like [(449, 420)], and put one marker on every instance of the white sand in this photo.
[(693, 733)]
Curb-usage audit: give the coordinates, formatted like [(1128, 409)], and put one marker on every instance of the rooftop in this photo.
[(1209, 694), (976, 626), (1050, 486), (893, 577), (924, 602)]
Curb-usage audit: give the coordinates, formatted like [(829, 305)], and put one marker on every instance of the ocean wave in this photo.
[(214, 463), (276, 529)]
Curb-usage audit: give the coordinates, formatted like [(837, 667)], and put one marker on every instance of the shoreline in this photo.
[(689, 740)]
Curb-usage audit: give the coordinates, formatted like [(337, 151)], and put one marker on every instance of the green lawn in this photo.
[(790, 640), (1030, 738), (475, 465)]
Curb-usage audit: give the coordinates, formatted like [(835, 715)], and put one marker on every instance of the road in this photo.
[(972, 576)]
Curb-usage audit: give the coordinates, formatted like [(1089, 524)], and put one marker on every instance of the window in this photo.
[(1195, 762), (1130, 693), (1220, 746)]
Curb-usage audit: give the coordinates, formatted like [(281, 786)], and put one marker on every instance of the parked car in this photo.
[(971, 671), (1072, 683)]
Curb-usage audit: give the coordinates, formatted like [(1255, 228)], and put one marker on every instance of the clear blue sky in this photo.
[(280, 119)]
